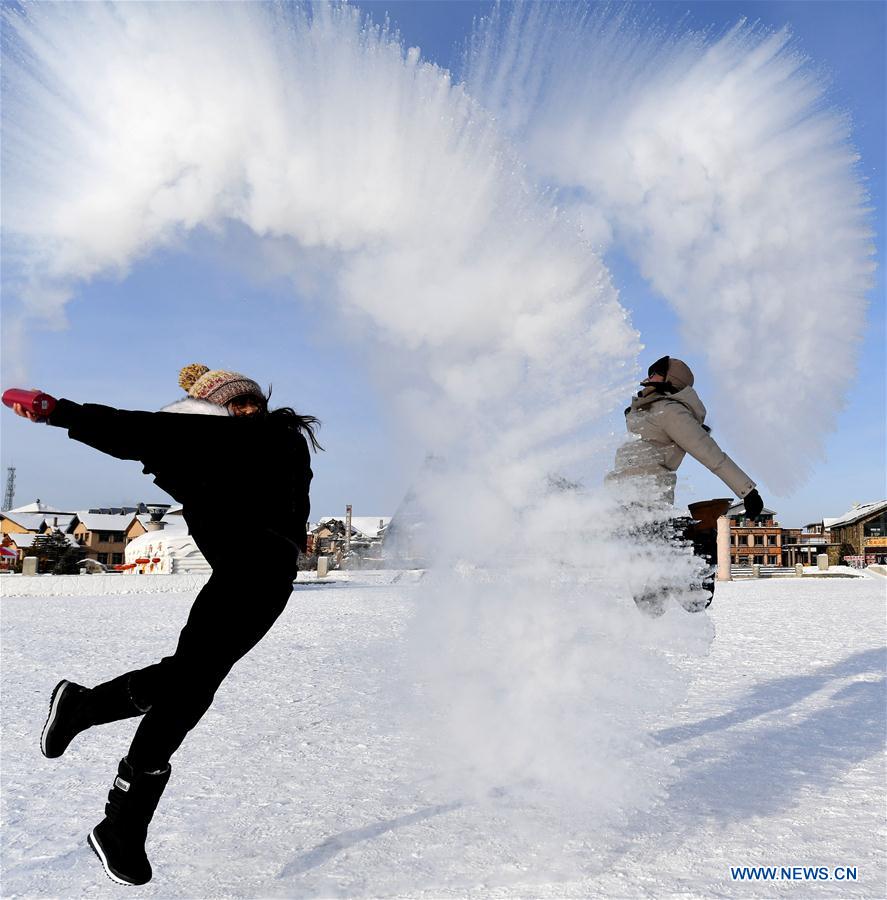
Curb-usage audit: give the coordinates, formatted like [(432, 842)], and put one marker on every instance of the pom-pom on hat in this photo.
[(217, 385)]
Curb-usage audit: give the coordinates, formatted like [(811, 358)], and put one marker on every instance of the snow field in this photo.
[(307, 778), (98, 585)]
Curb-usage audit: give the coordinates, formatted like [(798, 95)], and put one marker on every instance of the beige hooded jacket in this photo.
[(666, 427)]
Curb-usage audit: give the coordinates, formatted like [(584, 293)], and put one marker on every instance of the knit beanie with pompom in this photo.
[(216, 385)]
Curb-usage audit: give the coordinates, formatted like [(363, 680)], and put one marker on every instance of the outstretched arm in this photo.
[(133, 434), (685, 430), (116, 432)]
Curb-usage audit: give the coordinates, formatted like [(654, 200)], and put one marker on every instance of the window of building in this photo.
[(758, 560), (771, 540), (103, 558), (116, 559), (772, 561), (876, 527), (759, 540)]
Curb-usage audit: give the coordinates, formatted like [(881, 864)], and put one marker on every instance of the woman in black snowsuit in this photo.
[(232, 454)]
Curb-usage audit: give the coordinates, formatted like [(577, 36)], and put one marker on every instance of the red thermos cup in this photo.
[(35, 402)]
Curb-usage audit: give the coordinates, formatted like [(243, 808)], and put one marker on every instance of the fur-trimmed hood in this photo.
[(687, 396), (193, 406)]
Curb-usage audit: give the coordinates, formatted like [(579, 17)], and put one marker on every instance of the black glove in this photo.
[(753, 504)]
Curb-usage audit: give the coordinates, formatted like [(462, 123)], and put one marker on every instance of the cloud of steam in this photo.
[(716, 164), (128, 126), (310, 125)]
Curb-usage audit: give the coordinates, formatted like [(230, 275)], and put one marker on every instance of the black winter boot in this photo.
[(119, 839), (74, 708)]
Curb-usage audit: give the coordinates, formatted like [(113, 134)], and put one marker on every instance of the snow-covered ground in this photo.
[(306, 780)]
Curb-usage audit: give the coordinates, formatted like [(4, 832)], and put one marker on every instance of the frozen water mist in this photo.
[(717, 164), (128, 126)]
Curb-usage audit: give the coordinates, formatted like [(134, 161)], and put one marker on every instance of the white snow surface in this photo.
[(307, 779), (91, 586)]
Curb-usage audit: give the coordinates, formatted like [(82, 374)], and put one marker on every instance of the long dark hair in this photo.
[(305, 424)]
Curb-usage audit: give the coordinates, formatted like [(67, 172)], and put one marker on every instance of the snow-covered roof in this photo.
[(21, 540), (861, 511), (39, 507), (100, 522), (738, 509), (58, 522), (31, 521), (368, 526)]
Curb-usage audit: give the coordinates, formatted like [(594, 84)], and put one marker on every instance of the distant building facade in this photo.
[(755, 541), (104, 537), (861, 533), (363, 547), (804, 545)]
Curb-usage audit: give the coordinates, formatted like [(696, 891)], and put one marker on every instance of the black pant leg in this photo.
[(229, 617), (152, 683)]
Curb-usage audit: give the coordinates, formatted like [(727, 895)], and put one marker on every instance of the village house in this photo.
[(22, 523), (329, 537), (861, 534), (22, 545), (8, 558), (34, 518), (104, 537), (17, 543)]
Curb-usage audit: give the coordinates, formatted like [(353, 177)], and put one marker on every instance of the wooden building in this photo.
[(861, 534)]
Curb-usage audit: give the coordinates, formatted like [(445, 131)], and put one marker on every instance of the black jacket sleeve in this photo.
[(188, 454), (117, 432), (212, 464)]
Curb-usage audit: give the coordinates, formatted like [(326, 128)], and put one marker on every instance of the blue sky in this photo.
[(204, 301)]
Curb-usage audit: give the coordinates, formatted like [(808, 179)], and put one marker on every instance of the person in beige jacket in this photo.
[(667, 421)]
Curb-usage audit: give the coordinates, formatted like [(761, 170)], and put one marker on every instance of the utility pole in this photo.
[(9, 496), (348, 528)]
